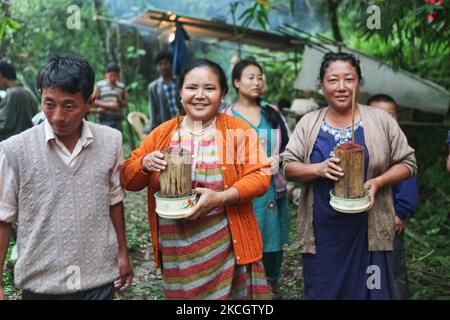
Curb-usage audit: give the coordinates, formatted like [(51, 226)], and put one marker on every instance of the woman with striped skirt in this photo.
[(215, 252)]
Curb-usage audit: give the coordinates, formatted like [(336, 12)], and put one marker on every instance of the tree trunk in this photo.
[(121, 61), (137, 45), (176, 181), (103, 32), (333, 6), (400, 60), (351, 185)]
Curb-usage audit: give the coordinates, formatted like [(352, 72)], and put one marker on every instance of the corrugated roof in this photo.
[(221, 31)]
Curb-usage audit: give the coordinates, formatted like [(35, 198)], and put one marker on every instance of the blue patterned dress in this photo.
[(272, 213), (343, 267)]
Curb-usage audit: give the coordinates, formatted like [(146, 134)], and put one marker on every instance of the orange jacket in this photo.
[(246, 170)]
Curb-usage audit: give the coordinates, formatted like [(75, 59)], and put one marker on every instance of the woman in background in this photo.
[(271, 209)]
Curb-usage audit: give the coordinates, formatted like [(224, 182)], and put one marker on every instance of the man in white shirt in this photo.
[(60, 180)]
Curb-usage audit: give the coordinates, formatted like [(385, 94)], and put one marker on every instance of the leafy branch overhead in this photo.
[(256, 12), (413, 34), (8, 26), (412, 30)]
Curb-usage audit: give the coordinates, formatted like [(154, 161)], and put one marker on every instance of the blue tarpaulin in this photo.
[(179, 50)]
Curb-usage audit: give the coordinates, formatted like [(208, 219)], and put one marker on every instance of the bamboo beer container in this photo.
[(351, 185), (176, 181), (351, 156)]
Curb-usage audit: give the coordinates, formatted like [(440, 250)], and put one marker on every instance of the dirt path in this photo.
[(147, 282)]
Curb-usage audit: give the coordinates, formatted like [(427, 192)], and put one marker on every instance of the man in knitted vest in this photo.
[(60, 181)]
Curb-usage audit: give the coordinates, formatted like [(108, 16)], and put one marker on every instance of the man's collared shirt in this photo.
[(169, 88)]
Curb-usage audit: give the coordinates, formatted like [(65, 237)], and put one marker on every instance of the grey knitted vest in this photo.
[(65, 238)]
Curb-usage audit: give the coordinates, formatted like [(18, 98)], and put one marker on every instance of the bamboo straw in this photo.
[(353, 114), (178, 128)]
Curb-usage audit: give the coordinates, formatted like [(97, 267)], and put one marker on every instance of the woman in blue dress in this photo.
[(346, 256), (271, 209)]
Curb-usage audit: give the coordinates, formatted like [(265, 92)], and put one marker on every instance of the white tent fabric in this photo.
[(303, 106), (408, 90)]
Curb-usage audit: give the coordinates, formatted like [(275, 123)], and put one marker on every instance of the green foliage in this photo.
[(258, 12), (406, 40), (428, 233), (44, 33), (7, 27), (133, 52), (405, 21), (11, 292), (35, 30), (276, 70)]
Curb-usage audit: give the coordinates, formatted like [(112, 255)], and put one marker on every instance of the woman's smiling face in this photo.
[(201, 94)]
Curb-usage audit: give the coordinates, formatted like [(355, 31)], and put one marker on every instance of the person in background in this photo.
[(111, 98), (18, 106), (215, 251), (60, 181), (346, 256), (406, 200), (271, 209), (162, 92)]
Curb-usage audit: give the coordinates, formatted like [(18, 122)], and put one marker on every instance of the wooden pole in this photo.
[(353, 114), (178, 128)]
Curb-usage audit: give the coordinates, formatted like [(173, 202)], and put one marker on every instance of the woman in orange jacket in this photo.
[(215, 251)]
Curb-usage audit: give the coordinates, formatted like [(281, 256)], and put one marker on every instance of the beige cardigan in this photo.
[(386, 145)]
